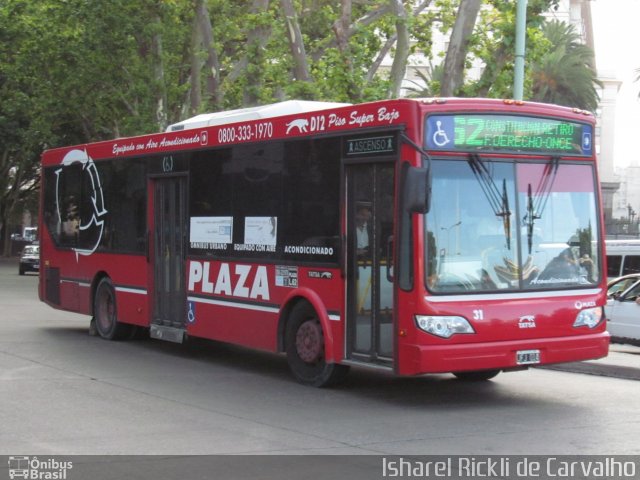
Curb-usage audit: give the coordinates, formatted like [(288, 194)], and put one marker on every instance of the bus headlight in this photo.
[(589, 317), (443, 326)]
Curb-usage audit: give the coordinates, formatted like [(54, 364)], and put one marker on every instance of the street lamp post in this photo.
[(521, 29), (448, 230)]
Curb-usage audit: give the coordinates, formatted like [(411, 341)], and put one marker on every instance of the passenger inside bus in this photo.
[(363, 216), (71, 218)]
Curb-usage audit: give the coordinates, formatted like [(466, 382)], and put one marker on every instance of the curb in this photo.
[(593, 368), (622, 362)]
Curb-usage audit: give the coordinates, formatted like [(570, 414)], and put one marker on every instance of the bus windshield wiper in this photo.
[(499, 202), (543, 192)]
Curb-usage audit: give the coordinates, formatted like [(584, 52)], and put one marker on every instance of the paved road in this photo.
[(623, 361), (65, 392)]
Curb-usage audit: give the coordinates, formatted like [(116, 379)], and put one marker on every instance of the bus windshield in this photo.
[(500, 225)]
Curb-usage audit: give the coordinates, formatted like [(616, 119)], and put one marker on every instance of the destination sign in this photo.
[(472, 132), (370, 145)]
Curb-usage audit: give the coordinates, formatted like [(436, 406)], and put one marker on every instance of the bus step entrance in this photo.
[(169, 334)]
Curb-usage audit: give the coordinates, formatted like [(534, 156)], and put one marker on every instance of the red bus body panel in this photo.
[(250, 307)]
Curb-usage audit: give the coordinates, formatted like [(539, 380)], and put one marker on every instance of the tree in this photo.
[(430, 80), (79, 71), (296, 42), (73, 72), (24, 126), (564, 75), (493, 43), (399, 65), (454, 63)]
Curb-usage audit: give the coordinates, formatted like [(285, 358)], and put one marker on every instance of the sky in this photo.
[(616, 37)]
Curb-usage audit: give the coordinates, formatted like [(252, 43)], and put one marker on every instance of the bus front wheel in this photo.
[(105, 313), (304, 345)]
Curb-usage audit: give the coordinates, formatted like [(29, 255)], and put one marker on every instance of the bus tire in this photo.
[(105, 312), (304, 345), (477, 375)]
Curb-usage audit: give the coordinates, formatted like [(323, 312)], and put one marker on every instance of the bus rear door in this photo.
[(167, 253)]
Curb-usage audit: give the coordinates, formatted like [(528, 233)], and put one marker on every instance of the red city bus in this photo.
[(418, 236)]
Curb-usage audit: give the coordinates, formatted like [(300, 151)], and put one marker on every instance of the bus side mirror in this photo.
[(417, 190)]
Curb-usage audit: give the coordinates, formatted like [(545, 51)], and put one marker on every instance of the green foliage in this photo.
[(429, 84), (76, 71), (494, 45), (557, 65), (564, 74), (90, 70)]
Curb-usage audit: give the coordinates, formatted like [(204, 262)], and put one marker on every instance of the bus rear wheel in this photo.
[(304, 345), (105, 313), (476, 376)]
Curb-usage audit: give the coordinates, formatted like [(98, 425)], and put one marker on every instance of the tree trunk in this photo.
[(256, 40), (212, 62), (158, 74), (399, 66), (5, 192), (9, 201), (343, 34), (501, 56), (5, 237), (390, 42), (341, 27), (296, 43), (453, 73), (195, 89)]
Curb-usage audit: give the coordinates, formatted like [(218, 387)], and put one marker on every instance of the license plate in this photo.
[(527, 357)]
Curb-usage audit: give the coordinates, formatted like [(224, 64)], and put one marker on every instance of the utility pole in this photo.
[(521, 30)]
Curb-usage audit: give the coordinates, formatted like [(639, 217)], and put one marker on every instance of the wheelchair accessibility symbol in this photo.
[(191, 313), (440, 137), (586, 142)]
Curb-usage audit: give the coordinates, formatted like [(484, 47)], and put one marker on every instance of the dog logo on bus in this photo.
[(86, 220), (300, 123), (527, 321)]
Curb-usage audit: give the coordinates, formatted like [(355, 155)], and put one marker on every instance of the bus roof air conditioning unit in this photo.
[(289, 107)]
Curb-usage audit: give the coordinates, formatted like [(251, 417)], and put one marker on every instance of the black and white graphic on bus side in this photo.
[(91, 223)]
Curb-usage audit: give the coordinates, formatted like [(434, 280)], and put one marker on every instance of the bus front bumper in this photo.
[(505, 354)]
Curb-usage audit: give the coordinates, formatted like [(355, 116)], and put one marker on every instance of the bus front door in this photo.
[(168, 253), (370, 189)]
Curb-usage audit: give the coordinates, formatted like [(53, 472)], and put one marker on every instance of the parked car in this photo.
[(30, 259), (623, 309)]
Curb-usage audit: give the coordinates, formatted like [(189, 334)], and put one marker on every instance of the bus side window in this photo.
[(614, 262), (631, 264)]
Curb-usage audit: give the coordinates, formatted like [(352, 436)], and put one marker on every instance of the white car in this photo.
[(623, 309)]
